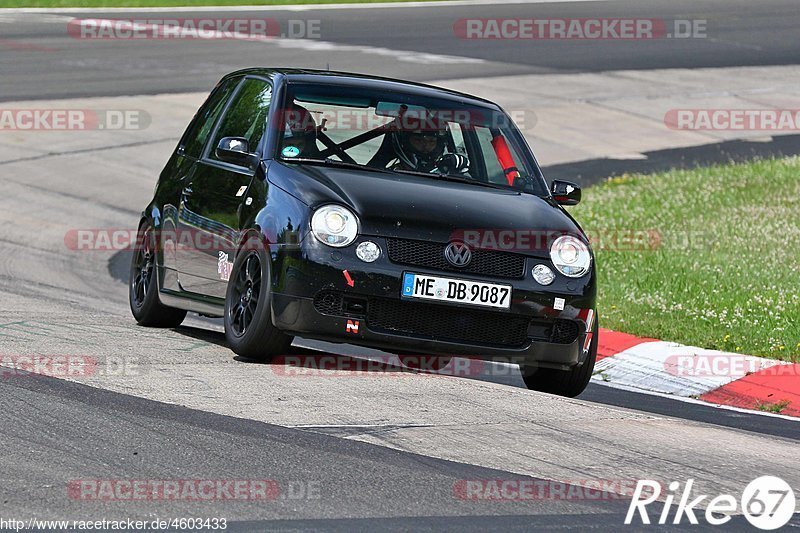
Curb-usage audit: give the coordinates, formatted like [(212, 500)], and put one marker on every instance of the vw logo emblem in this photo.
[(458, 254)]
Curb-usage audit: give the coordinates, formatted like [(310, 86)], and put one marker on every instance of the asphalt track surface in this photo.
[(53, 429), (739, 33), (385, 453)]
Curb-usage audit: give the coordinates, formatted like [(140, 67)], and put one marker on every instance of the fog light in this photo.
[(368, 251), (543, 275)]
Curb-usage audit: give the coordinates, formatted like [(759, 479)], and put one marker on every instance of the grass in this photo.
[(718, 265), (173, 3), (773, 407)]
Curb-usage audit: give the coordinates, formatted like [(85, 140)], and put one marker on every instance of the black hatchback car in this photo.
[(373, 212)]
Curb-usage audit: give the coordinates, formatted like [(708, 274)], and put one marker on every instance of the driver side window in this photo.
[(247, 115), (196, 136)]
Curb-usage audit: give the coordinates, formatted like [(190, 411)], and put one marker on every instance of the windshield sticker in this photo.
[(290, 151)]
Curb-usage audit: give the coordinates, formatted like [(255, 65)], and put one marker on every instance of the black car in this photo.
[(368, 211)]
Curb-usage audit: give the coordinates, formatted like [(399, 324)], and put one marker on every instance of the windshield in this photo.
[(405, 134)]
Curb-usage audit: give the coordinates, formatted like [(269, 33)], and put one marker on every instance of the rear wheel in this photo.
[(143, 287), (248, 322), (570, 382)]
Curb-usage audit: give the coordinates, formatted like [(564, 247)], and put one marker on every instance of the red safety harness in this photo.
[(505, 158)]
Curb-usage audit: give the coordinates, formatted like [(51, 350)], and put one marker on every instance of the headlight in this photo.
[(334, 225), (570, 256)]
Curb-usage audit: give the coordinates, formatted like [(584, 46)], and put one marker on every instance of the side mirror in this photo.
[(235, 150), (565, 193)]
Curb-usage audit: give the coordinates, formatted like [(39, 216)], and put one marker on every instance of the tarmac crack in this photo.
[(84, 151)]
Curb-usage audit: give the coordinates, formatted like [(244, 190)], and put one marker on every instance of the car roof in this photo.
[(362, 80)]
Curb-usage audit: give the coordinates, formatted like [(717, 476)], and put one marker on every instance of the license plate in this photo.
[(456, 290)]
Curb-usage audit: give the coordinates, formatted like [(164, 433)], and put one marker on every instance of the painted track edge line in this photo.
[(695, 401), (285, 7)]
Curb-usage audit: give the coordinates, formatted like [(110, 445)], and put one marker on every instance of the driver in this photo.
[(299, 133), (419, 149), (422, 149)]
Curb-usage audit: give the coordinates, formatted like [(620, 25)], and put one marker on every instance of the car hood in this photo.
[(416, 207)]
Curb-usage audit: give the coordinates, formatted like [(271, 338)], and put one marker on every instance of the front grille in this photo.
[(558, 331), (431, 255), (564, 332), (328, 302), (446, 323), (453, 324)]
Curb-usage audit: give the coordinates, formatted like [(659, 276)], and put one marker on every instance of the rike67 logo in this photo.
[(767, 502)]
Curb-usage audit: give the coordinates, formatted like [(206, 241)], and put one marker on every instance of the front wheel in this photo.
[(147, 309), (248, 323), (568, 383)]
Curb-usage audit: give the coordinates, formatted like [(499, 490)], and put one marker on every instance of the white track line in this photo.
[(311, 45), (303, 7)]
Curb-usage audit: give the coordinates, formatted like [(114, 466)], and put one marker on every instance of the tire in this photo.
[(143, 285), (248, 322), (568, 383)]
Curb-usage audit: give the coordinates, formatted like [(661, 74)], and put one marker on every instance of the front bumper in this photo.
[(313, 297)]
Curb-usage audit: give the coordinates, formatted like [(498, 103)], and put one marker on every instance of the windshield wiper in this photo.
[(332, 163), (458, 179)]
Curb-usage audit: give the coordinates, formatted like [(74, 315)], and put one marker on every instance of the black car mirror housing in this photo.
[(565, 192), (236, 150)]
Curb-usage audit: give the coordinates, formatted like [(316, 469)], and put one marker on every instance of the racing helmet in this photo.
[(420, 143)]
